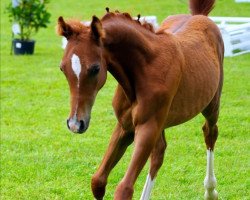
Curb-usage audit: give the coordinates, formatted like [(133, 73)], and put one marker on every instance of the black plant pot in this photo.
[(22, 47)]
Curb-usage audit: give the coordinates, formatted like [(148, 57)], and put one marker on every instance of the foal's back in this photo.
[(202, 48)]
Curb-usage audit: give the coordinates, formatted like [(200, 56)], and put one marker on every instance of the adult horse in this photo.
[(165, 78)]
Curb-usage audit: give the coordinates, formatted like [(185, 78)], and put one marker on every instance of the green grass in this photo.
[(40, 159)]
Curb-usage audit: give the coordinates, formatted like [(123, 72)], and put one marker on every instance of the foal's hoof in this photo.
[(98, 187), (211, 195)]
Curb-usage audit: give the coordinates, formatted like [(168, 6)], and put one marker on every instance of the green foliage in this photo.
[(31, 15)]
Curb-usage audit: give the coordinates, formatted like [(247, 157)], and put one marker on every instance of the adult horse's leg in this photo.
[(210, 131), (156, 160), (146, 136), (118, 144)]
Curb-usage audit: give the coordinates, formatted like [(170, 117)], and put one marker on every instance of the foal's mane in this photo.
[(126, 16)]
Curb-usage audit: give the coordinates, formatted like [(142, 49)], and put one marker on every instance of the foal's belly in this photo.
[(196, 90)]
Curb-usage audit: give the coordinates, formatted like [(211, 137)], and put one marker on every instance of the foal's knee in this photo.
[(98, 185)]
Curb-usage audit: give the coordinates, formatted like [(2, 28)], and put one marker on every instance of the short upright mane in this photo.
[(77, 28), (110, 15)]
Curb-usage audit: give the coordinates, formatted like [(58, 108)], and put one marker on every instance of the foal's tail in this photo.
[(201, 7)]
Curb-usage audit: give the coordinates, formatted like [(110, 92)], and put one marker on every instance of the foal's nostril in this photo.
[(76, 126), (82, 126)]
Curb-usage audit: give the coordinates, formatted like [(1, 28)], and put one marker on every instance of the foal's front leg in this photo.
[(117, 146), (146, 136)]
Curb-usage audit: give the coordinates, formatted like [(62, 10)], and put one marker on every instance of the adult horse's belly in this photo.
[(197, 88)]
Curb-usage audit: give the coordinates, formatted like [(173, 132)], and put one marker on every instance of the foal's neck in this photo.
[(130, 47)]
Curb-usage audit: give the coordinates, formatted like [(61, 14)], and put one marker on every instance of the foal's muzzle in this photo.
[(77, 126)]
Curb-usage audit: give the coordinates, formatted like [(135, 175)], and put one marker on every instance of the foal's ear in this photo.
[(98, 32), (63, 28)]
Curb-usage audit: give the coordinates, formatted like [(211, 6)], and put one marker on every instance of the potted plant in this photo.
[(28, 16)]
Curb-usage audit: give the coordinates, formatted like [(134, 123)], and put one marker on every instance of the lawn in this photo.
[(41, 159)]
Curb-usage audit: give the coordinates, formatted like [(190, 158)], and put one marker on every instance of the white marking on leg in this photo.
[(210, 180), (76, 66), (147, 188)]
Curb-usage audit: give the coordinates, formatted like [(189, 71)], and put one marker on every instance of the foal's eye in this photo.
[(94, 69)]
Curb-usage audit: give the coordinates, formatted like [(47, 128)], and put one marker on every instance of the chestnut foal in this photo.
[(165, 78)]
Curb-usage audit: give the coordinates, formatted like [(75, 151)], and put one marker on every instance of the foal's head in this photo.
[(84, 67)]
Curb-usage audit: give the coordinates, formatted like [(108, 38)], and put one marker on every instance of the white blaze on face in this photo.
[(76, 66)]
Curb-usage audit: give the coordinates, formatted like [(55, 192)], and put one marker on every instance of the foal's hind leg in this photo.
[(210, 131), (156, 160)]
